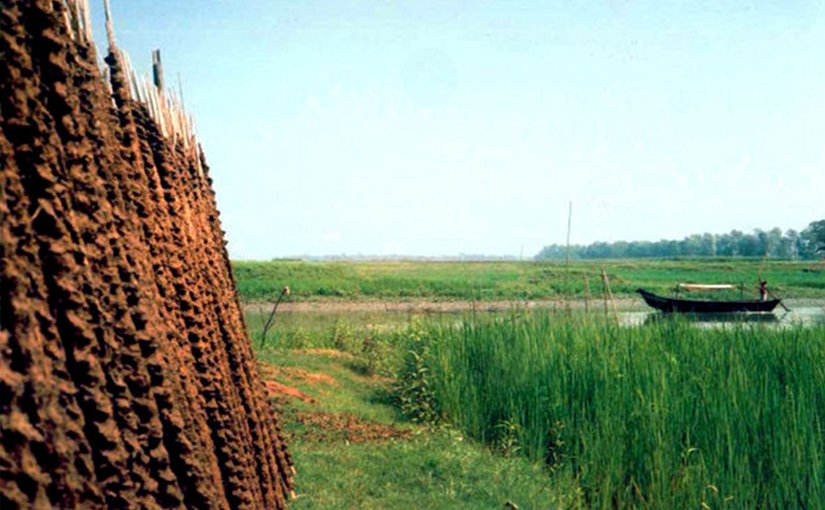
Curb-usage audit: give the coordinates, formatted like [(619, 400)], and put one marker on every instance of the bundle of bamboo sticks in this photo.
[(78, 21), (165, 107)]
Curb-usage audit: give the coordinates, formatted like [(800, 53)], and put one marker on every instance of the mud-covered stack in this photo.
[(126, 376)]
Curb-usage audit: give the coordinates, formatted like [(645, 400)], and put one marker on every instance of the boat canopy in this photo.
[(706, 286)]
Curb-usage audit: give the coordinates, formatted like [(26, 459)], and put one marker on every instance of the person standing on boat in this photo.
[(763, 290)]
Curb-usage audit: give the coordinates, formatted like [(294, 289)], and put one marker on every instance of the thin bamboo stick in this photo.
[(87, 22), (67, 19), (110, 29), (608, 294)]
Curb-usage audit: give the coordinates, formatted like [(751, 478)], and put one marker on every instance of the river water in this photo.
[(797, 316)]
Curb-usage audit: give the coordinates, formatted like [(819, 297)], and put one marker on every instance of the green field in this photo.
[(490, 281), (543, 409), (554, 410)]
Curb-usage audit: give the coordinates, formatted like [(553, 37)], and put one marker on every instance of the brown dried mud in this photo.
[(127, 379), (276, 390), (326, 427), (296, 374)]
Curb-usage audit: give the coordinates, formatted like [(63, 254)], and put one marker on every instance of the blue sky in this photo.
[(439, 128)]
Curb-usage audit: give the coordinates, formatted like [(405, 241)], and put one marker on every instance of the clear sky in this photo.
[(439, 128)]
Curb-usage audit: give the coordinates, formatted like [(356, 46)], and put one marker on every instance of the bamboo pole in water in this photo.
[(567, 258), (608, 295)]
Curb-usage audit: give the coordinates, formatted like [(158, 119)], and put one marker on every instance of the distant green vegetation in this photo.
[(808, 244), (486, 281), (664, 416)]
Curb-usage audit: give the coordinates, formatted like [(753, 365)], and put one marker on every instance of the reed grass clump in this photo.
[(657, 416)]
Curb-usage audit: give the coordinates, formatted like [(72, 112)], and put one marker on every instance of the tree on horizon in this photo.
[(771, 243)]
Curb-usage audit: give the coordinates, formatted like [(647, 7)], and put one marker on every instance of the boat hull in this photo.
[(671, 305)]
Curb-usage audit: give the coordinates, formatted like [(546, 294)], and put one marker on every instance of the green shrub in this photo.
[(414, 387)]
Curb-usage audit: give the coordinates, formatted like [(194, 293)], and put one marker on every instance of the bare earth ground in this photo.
[(314, 423)]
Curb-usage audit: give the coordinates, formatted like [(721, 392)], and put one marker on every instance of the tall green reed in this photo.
[(658, 416)]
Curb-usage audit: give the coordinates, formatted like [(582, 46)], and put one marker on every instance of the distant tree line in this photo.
[(808, 244)]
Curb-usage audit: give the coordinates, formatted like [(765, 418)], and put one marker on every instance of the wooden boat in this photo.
[(668, 304)]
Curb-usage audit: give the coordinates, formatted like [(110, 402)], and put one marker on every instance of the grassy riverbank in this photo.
[(490, 281), (354, 449), (546, 410)]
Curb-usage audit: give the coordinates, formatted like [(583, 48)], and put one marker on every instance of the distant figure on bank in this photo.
[(763, 290)]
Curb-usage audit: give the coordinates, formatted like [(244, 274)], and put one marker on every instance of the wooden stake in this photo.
[(608, 294), (271, 319), (569, 223), (157, 70), (586, 294), (567, 258)]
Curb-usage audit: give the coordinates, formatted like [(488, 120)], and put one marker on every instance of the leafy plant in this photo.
[(414, 387)]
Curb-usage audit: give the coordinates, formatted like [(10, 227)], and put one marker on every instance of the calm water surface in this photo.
[(801, 316), (387, 320)]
